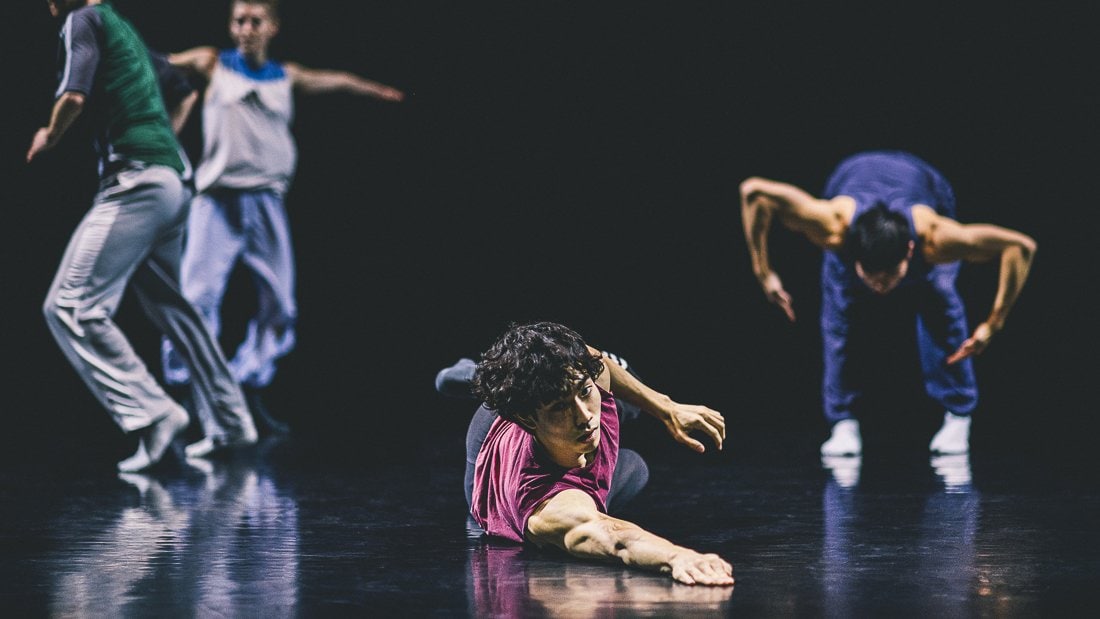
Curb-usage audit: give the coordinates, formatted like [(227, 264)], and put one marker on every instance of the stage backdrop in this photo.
[(579, 162)]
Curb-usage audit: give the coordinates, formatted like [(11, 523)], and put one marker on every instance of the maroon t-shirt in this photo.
[(513, 475)]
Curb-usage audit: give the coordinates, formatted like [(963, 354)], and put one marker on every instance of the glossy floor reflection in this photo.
[(286, 532)]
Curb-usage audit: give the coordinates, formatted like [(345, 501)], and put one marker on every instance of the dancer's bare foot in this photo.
[(154, 441), (209, 446)]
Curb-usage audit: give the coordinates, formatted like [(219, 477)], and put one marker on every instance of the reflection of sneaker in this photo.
[(203, 466), (954, 470), (845, 470), (454, 381), (953, 437), (845, 439)]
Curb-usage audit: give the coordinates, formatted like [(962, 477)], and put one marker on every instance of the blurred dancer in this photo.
[(133, 232), (546, 464), (248, 160), (887, 224)]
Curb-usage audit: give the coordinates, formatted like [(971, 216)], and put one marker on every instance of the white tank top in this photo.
[(246, 127)]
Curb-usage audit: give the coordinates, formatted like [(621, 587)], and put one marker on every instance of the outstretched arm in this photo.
[(980, 243), (316, 81), (570, 521), (680, 419), (200, 60), (65, 111), (821, 221)]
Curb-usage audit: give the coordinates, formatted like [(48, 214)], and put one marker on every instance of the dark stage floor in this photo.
[(290, 532)]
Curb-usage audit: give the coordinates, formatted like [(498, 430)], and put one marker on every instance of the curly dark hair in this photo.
[(878, 239), (532, 365)]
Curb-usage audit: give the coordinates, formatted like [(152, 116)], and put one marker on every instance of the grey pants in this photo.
[(133, 233)]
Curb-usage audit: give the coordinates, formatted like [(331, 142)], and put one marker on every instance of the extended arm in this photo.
[(65, 111), (980, 243), (570, 521), (821, 221), (200, 60), (317, 81), (680, 419)]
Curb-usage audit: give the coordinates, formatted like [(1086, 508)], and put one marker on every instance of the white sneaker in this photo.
[(845, 440), (953, 437)]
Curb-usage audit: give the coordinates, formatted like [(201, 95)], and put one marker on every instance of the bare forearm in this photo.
[(1015, 265), (761, 199), (982, 242), (65, 112), (571, 522), (369, 88), (757, 222), (607, 538), (629, 389), (680, 419)]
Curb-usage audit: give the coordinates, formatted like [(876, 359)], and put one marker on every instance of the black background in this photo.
[(579, 162)]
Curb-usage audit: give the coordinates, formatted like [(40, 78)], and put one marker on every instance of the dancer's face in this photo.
[(884, 282), (569, 428), (252, 27)]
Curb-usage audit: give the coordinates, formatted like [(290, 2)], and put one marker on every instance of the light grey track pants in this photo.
[(133, 232)]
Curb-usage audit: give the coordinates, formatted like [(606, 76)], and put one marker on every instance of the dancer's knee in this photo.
[(59, 319), (66, 322)]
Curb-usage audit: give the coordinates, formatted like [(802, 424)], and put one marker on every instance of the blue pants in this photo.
[(226, 226), (929, 292), (941, 328)]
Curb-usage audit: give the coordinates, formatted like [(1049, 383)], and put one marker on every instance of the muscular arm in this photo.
[(952, 241), (821, 221), (570, 521), (679, 419), (65, 111), (318, 81)]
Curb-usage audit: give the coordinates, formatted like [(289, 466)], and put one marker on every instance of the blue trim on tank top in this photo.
[(234, 61)]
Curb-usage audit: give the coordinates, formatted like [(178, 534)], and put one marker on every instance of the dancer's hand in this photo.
[(40, 143), (974, 345), (694, 568), (387, 93), (685, 418), (773, 289)]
